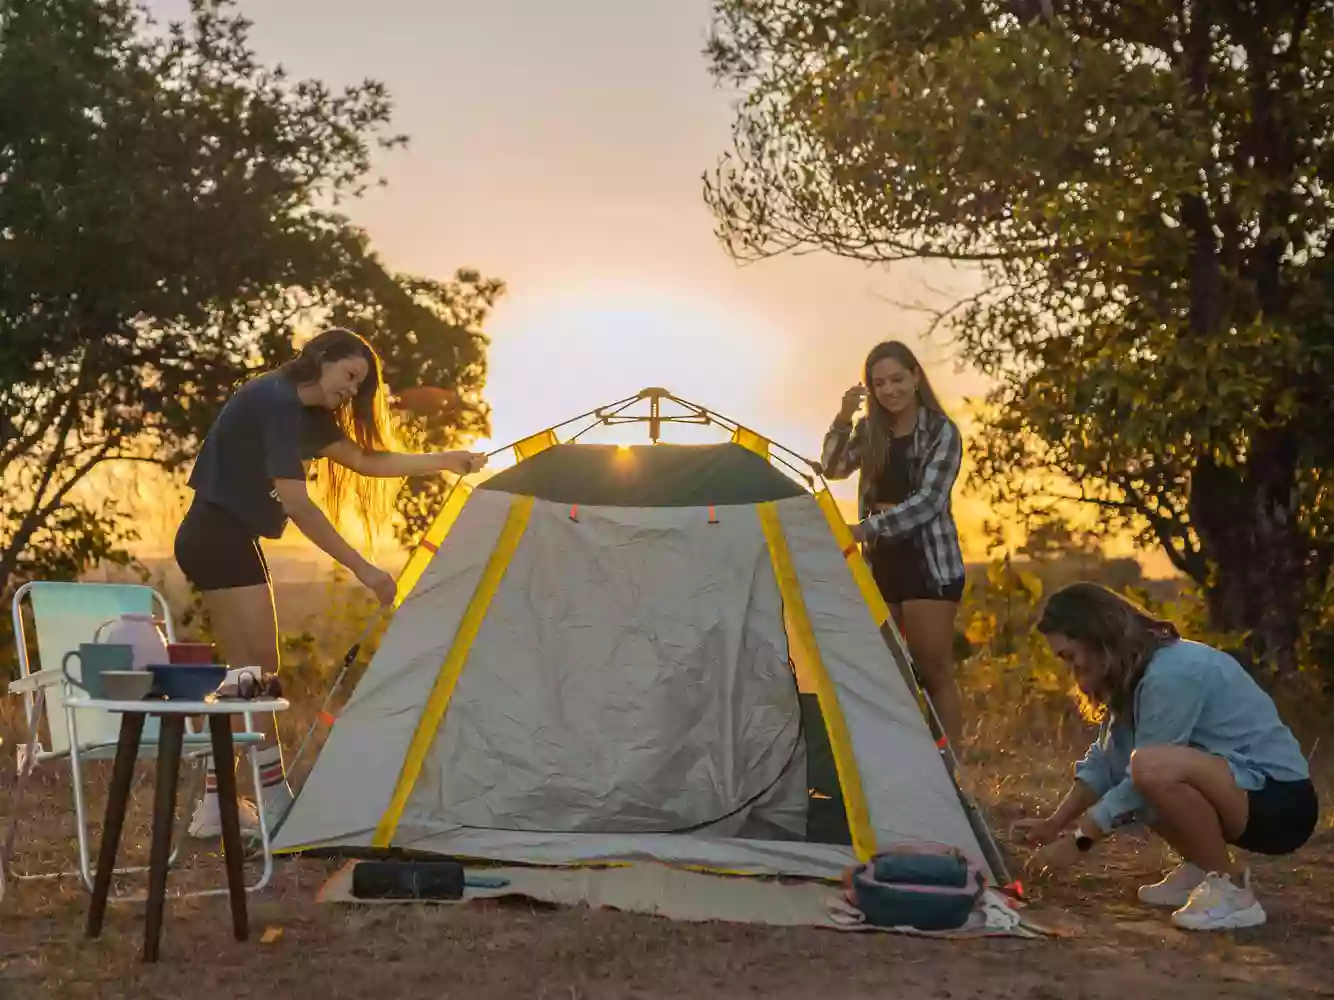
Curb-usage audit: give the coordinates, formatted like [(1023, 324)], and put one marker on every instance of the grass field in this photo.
[(1018, 764)]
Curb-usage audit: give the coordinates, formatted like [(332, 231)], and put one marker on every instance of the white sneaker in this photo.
[(1173, 891), (1219, 904), (206, 824)]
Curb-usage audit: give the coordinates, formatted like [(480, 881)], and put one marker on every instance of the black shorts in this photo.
[(1282, 816), (217, 551), (901, 575)]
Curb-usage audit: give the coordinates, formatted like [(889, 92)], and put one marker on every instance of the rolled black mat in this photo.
[(407, 880)]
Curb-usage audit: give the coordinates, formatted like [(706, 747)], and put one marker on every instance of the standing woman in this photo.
[(908, 453), (327, 403)]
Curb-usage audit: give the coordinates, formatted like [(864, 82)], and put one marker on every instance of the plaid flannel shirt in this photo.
[(934, 458)]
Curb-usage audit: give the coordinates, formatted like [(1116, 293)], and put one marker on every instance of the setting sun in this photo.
[(554, 356)]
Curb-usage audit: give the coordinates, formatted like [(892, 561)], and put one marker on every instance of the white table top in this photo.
[(154, 706)]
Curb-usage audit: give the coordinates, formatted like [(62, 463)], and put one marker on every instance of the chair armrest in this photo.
[(36, 682)]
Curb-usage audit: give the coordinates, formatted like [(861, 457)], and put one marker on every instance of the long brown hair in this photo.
[(878, 432), (365, 419), (1124, 634)]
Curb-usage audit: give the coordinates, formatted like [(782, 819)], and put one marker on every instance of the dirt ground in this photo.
[(1112, 946)]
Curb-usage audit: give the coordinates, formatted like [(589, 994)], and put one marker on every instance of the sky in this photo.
[(560, 146)]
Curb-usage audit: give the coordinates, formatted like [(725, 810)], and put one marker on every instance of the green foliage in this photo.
[(167, 216), (1143, 192), (1013, 685), (312, 657), (1005, 662)]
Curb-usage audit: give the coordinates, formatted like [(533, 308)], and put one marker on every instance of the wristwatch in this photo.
[(1082, 840)]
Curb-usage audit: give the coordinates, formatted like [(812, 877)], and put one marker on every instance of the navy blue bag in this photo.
[(928, 887)]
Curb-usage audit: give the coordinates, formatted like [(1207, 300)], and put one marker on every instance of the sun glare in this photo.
[(555, 356)]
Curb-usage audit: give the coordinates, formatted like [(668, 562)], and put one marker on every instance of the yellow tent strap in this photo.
[(435, 536), (751, 441), (535, 445), (849, 777), (438, 700), (851, 553), (875, 602)]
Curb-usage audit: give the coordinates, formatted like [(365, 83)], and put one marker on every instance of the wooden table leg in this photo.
[(118, 798), (220, 726), (170, 742)]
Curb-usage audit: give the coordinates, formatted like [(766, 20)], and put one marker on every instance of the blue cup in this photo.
[(95, 659)]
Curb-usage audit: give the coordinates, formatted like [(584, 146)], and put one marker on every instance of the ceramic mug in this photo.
[(193, 653), (94, 659)]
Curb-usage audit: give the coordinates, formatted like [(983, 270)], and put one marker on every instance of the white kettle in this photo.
[(138, 631)]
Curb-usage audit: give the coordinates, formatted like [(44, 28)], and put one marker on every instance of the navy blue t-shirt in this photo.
[(263, 433)]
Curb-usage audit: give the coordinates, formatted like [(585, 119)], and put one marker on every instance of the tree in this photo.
[(1143, 192), (168, 213)]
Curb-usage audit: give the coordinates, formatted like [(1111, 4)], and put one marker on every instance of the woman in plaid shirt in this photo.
[(908, 453)]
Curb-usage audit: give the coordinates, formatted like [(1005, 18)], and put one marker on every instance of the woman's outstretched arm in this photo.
[(400, 465)]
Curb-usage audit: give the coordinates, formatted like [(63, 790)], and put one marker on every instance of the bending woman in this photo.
[(249, 479), (908, 453), (1190, 744)]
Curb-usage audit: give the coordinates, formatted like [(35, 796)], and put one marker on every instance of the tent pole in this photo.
[(725, 420), (595, 412)]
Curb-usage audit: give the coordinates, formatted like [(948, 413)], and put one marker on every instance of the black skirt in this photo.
[(901, 574), (217, 551)]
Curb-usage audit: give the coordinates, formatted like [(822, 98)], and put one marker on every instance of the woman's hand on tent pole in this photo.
[(461, 463), (379, 583)]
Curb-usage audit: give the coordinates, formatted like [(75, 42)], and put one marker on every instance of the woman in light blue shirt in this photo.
[(1189, 744)]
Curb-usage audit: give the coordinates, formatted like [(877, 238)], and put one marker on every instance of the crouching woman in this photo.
[(1189, 744)]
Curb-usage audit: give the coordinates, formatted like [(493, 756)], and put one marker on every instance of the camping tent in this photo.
[(667, 652)]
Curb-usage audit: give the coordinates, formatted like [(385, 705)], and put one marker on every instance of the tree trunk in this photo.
[(1247, 520)]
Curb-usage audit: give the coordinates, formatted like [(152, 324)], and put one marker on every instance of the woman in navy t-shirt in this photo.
[(249, 480)]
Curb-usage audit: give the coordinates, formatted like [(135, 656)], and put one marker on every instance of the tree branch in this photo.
[(13, 451), (33, 519)]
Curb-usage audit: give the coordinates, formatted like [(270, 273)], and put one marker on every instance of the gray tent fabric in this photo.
[(603, 695), (353, 779), (628, 697)]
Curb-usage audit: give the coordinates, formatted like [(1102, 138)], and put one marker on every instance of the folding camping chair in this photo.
[(65, 615)]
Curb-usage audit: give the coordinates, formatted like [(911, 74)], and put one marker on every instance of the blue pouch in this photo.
[(926, 887)]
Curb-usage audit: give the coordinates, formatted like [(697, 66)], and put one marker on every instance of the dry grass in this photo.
[(1019, 764)]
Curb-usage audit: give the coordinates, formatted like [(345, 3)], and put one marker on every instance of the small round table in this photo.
[(170, 743)]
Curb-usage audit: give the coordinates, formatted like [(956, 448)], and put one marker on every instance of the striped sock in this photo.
[(272, 775), (211, 781)]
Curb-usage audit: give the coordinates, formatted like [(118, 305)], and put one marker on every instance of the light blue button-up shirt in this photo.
[(1197, 696)]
